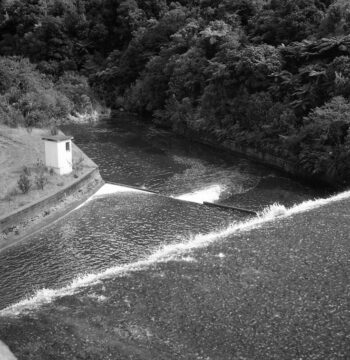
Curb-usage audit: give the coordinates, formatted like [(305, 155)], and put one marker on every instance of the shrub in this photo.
[(40, 166), (41, 180), (78, 164), (28, 97), (324, 140), (24, 183), (76, 88), (329, 123)]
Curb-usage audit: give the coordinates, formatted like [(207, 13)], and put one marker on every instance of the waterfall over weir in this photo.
[(162, 252), (210, 194)]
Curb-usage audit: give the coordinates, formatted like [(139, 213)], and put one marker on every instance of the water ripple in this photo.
[(107, 231)]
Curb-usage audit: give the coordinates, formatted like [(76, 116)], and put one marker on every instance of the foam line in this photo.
[(166, 253), (107, 189), (211, 194)]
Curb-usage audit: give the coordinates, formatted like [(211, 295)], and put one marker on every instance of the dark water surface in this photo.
[(126, 227), (106, 232), (130, 152)]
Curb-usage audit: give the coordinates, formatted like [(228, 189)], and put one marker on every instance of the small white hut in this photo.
[(58, 153)]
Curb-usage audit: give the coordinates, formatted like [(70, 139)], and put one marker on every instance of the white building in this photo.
[(58, 153)]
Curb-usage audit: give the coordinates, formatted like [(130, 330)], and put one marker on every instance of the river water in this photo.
[(129, 226), (133, 153)]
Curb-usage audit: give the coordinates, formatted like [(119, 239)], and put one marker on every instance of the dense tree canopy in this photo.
[(269, 74)]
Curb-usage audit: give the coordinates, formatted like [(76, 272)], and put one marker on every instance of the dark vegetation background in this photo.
[(272, 75)]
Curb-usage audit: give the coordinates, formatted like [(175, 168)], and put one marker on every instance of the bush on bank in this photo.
[(30, 98), (27, 97)]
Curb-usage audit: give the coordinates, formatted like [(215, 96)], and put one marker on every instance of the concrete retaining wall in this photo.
[(21, 214)]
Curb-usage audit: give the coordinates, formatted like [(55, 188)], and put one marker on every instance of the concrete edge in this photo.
[(136, 188), (46, 223), (20, 214), (83, 153)]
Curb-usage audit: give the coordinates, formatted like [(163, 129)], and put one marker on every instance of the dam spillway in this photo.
[(111, 229), (136, 274), (249, 288)]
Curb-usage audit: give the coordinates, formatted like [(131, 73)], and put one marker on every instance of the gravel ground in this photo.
[(280, 291)]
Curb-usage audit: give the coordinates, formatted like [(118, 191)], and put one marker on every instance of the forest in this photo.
[(273, 75)]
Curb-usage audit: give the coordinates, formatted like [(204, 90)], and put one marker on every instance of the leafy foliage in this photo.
[(274, 75), (24, 183), (285, 21), (27, 97)]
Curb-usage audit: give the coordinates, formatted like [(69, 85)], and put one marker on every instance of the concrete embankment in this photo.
[(17, 224)]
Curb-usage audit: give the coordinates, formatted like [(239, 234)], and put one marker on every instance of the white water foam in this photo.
[(108, 189), (211, 193), (166, 253)]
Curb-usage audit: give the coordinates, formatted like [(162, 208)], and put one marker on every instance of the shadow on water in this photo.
[(134, 153)]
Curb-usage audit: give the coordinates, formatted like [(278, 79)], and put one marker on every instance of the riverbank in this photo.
[(22, 152), (286, 165), (282, 161)]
